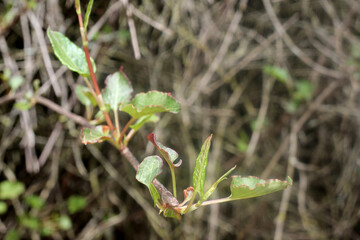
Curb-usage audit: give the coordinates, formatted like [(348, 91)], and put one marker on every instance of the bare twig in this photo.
[(53, 106), (50, 144), (150, 21), (45, 54), (280, 219), (295, 49), (218, 58), (298, 125), (134, 40)]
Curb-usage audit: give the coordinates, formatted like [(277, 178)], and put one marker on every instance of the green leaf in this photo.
[(23, 105), (249, 187), (76, 203), (200, 167), (150, 103), (304, 90), (11, 190), (154, 194), (3, 207), (34, 201), (144, 119), (149, 168), (171, 213), (12, 235), (95, 135), (29, 222), (85, 96), (118, 90), (169, 154), (214, 186), (15, 82), (46, 231), (69, 54), (64, 222), (278, 73), (87, 13)]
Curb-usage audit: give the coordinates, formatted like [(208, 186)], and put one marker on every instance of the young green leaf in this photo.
[(154, 194), (35, 201), (249, 187), (304, 90), (69, 54), (64, 222), (85, 96), (12, 234), (76, 203), (169, 154), (87, 13), (30, 222), (214, 186), (15, 82), (144, 119), (23, 105), (95, 135), (149, 169), (150, 103), (171, 213), (188, 194), (3, 207), (118, 90), (200, 167), (280, 74), (11, 190)]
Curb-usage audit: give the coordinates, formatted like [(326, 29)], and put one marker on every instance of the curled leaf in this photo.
[(95, 135), (169, 154)]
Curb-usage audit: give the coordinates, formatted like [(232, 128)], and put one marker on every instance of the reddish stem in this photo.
[(91, 70)]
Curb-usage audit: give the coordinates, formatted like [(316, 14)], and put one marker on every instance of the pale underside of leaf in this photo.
[(150, 103), (118, 90), (149, 168), (249, 187)]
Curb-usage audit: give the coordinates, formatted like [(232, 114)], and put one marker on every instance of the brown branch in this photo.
[(166, 195), (53, 106)]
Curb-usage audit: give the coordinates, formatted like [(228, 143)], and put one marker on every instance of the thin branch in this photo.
[(295, 49), (134, 40), (45, 54), (53, 106)]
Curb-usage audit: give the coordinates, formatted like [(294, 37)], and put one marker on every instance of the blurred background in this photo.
[(276, 82)]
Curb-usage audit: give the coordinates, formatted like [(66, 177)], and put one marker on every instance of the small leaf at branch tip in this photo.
[(169, 154), (118, 90), (188, 194), (200, 167)]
